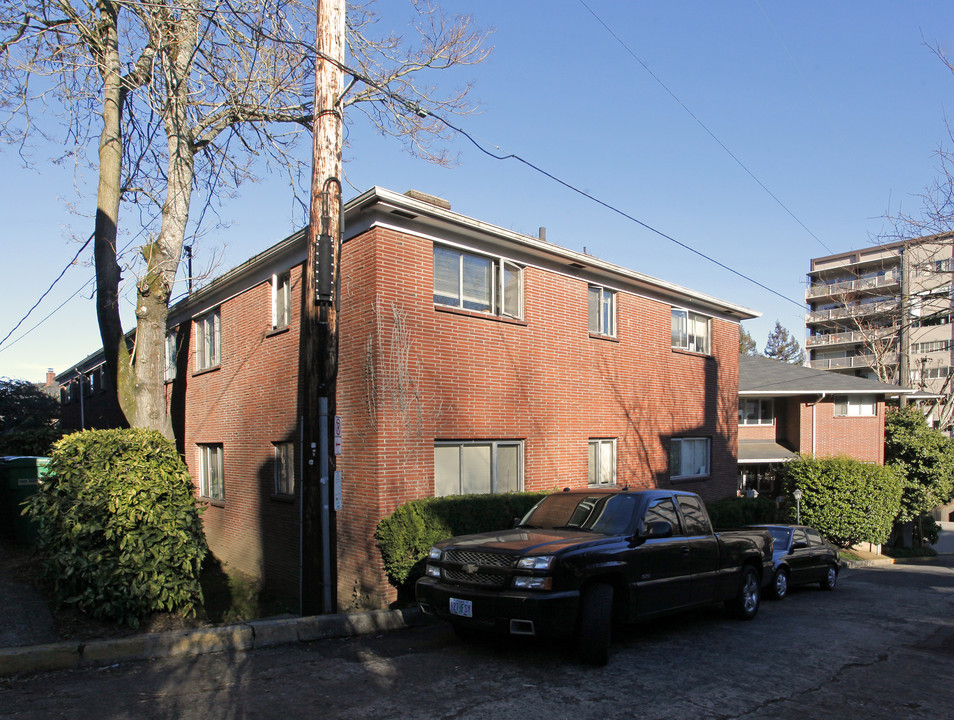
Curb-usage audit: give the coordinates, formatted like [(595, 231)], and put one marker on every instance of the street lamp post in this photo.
[(798, 505)]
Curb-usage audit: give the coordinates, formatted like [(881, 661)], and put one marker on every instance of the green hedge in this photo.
[(118, 527), (846, 500), (405, 536), (736, 512)]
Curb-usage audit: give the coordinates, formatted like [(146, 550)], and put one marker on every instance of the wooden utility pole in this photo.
[(318, 365)]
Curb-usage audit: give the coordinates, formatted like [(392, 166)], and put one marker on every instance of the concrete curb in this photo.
[(852, 564), (230, 638)]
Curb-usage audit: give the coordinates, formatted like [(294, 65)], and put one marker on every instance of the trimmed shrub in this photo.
[(407, 534), (846, 500), (118, 527), (736, 512)]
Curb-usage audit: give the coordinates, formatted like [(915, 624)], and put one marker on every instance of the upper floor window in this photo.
[(855, 405), (479, 467), (690, 331), (477, 282), (602, 310), (689, 457), (601, 462), (171, 355), (755, 411), (281, 300), (208, 335)]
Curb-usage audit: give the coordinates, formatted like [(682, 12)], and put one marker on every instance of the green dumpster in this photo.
[(19, 479)]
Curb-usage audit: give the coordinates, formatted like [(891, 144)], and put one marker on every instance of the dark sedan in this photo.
[(801, 556)]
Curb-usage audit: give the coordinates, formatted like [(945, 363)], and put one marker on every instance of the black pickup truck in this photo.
[(582, 559)]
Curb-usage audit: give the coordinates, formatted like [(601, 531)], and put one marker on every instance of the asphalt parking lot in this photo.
[(880, 646)]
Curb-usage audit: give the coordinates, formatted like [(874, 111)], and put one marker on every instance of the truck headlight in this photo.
[(535, 562), (433, 571), (435, 554), (529, 582)]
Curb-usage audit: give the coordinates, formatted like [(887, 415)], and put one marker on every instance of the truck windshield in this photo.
[(605, 514)]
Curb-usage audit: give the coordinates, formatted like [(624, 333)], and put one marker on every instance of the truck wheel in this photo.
[(745, 605), (596, 618), (831, 578), (779, 587)]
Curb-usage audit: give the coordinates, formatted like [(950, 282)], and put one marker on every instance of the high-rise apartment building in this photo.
[(884, 312)]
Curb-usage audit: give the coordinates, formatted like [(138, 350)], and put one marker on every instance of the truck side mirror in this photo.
[(657, 529)]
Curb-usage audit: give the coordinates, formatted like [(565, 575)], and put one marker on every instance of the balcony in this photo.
[(866, 285), (849, 363), (853, 311), (847, 338)]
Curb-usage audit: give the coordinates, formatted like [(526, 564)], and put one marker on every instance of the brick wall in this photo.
[(861, 438), (412, 373), (246, 404)]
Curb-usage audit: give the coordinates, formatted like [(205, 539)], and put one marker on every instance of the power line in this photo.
[(702, 124), (616, 210), (421, 111), (48, 290)]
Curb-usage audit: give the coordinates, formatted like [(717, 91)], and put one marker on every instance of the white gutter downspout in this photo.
[(814, 405)]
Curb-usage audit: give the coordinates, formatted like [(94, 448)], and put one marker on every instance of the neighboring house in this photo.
[(472, 359), (786, 409), (884, 312)]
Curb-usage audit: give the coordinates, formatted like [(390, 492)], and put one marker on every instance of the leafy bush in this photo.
[(736, 512), (407, 534), (925, 458), (118, 527), (848, 501)]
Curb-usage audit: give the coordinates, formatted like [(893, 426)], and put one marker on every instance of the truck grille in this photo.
[(485, 562), (478, 558)]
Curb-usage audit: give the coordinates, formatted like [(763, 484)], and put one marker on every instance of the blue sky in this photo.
[(837, 108)]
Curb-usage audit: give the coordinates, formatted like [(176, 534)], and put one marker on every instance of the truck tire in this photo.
[(745, 605), (596, 619)]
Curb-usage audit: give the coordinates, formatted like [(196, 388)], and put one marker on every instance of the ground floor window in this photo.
[(689, 457), (601, 464), (211, 472), (477, 467)]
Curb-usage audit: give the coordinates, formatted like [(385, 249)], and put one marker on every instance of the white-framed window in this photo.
[(211, 472), (171, 355), (281, 300), (284, 468), (855, 405), (933, 346), (478, 467), (208, 336), (601, 461), (476, 282), (756, 411), (689, 457), (690, 331), (602, 310)]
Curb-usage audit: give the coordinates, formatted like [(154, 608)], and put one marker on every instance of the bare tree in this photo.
[(187, 97)]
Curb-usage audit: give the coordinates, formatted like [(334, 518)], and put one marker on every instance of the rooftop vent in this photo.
[(430, 199)]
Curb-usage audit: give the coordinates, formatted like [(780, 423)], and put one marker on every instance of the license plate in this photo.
[(463, 608)]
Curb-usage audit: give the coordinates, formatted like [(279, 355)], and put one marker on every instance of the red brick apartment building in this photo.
[(787, 409), (472, 359)]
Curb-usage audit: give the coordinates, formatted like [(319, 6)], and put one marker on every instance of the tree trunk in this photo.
[(162, 256), (107, 203)]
